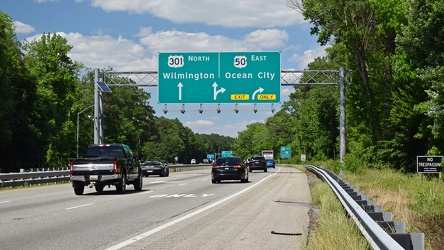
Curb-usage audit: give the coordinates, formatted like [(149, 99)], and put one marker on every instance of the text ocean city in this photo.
[(219, 77)]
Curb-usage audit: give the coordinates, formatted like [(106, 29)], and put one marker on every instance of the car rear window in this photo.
[(114, 151), (228, 160), (152, 163), (258, 158)]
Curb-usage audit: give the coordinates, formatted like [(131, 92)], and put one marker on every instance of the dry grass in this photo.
[(420, 206)]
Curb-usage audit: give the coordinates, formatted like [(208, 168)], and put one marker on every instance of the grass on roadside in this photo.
[(420, 206), (333, 229)]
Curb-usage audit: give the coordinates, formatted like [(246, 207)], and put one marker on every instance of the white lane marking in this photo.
[(1, 202), (166, 225), (85, 205)]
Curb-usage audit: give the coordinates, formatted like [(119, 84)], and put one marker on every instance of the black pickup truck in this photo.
[(105, 165)]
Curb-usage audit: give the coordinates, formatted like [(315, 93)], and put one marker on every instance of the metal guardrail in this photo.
[(375, 225), (61, 176), (30, 178)]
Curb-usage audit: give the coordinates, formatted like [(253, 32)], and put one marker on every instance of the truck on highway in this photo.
[(104, 165), (267, 154), (269, 158)]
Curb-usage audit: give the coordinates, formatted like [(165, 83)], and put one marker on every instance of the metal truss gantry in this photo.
[(289, 77)]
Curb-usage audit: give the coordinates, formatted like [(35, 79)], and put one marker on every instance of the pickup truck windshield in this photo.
[(105, 151)]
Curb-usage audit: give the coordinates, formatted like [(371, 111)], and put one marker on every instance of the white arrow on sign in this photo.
[(180, 85), (218, 91), (255, 92)]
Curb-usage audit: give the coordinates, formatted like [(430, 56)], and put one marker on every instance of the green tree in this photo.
[(422, 40), (17, 92), (416, 119), (9, 62), (166, 142), (252, 140), (57, 74), (211, 144)]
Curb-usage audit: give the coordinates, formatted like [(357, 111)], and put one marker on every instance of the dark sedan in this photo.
[(155, 168), (258, 162), (229, 168)]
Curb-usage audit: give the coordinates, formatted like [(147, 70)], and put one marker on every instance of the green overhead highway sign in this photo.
[(219, 77), (227, 153)]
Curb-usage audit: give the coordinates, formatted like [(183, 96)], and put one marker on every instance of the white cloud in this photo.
[(308, 56), (228, 13), (268, 39), (104, 51), (184, 41), (22, 28), (173, 40), (286, 91), (200, 123)]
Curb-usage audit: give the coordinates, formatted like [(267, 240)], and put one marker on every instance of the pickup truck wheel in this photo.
[(78, 188), (121, 186), (138, 183), (99, 188)]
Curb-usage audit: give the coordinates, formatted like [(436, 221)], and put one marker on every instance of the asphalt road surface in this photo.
[(182, 211)]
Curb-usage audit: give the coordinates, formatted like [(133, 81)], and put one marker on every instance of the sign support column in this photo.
[(342, 114)]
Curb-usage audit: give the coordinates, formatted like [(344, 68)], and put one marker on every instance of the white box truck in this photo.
[(267, 154)]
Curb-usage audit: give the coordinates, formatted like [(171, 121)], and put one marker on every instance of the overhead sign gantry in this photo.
[(286, 78)]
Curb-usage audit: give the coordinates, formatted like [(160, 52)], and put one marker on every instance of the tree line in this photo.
[(43, 91), (395, 104), (394, 51)]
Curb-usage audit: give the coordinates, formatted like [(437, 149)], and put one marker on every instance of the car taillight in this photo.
[(116, 170), (71, 169), (216, 166), (238, 166)]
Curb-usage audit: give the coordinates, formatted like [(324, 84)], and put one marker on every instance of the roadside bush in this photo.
[(353, 163)]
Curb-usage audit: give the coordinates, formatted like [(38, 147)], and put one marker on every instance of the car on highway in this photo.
[(257, 162), (155, 168), (229, 168), (270, 163), (193, 161)]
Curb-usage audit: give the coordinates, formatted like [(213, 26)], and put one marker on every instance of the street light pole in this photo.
[(77, 134)]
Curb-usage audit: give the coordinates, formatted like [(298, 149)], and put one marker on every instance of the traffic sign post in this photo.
[(429, 165), (219, 77), (210, 157), (285, 152)]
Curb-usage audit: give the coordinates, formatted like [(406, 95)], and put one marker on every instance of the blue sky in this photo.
[(127, 35)]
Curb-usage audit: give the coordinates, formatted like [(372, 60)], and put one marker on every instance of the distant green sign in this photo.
[(219, 77), (227, 153), (210, 156), (285, 152)]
